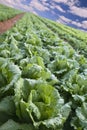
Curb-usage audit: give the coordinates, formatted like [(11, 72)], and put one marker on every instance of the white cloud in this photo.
[(59, 8), (84, 24), (63, 1), (82, 12), (78, 24), (45, 3), (67, 2), (64, 19), (37, 5), (9, 2), (53, 6)]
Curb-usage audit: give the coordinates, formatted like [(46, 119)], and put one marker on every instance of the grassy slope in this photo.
[(7, 12)]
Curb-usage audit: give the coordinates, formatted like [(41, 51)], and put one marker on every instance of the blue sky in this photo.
[(69, 12)]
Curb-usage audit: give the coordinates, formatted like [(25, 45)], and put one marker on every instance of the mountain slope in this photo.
[(43, 80)]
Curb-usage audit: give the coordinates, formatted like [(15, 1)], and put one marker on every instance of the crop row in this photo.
[(77, 39)]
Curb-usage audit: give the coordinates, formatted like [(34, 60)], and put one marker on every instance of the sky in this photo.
[(69, 12)]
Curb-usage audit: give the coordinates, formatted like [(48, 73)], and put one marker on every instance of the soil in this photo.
[(6, 25)]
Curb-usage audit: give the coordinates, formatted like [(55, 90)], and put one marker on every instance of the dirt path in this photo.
[(4, 26)]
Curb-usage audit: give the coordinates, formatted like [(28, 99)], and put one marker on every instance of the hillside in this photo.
[(43, 76), (7, 12)]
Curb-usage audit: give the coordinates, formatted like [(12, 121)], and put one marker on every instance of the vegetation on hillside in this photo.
[(43, 79), (7, 12)]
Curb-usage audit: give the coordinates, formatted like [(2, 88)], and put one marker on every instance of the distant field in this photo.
[(76, 38), (7, 12)]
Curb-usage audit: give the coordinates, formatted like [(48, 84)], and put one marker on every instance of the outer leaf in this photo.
[(80, 121), (12, 125), (7, 109), (11, 73)]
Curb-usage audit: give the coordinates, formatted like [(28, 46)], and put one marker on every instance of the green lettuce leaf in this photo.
[(35, 71), (7, 108), (9, 74), (80, 120), (12, 125), (39, 102)]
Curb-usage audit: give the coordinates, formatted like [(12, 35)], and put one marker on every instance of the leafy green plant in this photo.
[(42, 78)]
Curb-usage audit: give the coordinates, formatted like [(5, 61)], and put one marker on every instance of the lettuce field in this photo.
[(43, 76), (7, 12)]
